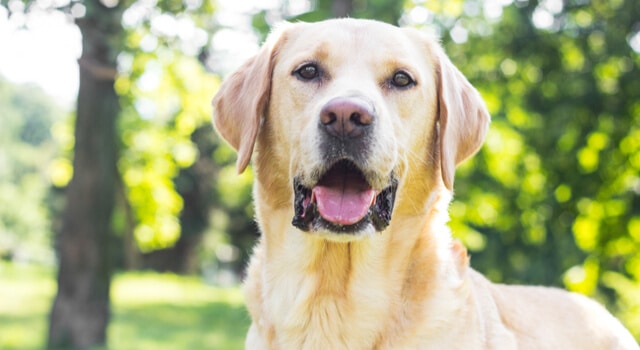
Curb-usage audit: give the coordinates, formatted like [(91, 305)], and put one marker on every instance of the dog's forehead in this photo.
[(363, 32), (355, 40)]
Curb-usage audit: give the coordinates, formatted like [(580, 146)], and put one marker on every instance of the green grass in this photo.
[(149, 311)]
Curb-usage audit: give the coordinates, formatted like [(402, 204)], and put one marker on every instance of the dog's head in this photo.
[(348, 115)]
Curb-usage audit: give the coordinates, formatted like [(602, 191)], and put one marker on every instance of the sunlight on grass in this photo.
[(25, 297), (149, 311), (169, 311)]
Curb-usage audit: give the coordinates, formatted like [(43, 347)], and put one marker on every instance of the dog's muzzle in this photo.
[(343, 201), (338, 196)]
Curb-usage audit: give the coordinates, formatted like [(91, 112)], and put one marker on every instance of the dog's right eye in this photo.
[(308, 71), (402, 79)]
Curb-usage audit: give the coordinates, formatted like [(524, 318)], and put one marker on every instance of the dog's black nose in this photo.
[(347, 117)]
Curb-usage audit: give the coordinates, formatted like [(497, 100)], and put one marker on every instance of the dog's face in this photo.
[(344, 114)]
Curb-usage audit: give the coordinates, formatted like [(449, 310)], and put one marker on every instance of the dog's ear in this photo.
[(242, 100), (462, 115)]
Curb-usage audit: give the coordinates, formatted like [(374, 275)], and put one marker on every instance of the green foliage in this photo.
[(174, 171), (164, 136), (156, 127), (149, 311), (26, 152), (164, 92)]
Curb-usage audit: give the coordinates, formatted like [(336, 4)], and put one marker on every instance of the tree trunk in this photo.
[(80, 311)]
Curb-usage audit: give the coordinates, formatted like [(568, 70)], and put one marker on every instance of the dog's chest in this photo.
[(336, 306)]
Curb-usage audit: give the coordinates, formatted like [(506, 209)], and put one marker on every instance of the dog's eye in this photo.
[(309, 71), (402, 79)]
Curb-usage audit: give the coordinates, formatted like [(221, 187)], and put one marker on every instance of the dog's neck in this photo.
[(347, 293)]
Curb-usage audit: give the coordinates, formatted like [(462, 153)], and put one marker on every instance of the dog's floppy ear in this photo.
[(462, 116), (242, 99)]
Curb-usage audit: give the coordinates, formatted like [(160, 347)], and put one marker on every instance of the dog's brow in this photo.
[(318, 53)]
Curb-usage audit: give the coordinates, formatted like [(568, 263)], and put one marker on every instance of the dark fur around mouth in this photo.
[(307, 217)]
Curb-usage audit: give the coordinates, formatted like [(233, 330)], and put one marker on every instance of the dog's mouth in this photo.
[(343, 201)]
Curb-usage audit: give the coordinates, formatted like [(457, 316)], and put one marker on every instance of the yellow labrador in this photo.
[(357, 128)]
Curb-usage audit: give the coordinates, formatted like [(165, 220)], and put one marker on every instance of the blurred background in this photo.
[(123, 223)]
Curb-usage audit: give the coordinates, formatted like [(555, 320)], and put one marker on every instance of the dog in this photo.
[(357, 128)]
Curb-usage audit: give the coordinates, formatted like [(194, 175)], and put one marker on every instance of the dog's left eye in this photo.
[(402, 79), (308, 71)]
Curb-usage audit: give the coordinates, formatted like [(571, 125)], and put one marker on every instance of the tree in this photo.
[(80, 312), (107, 103)]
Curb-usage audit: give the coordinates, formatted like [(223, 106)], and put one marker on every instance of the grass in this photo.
[(149, 311)]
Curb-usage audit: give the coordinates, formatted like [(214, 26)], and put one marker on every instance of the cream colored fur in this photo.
[(410, 286)]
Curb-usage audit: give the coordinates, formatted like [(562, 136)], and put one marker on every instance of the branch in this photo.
[(98, 70)]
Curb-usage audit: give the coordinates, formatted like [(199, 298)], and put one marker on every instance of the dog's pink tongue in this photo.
[(343, 202)]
